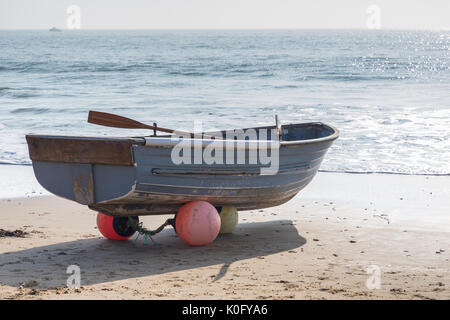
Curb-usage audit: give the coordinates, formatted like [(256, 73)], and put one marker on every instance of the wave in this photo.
[(15, 163), (188, 73), (348, 73), (59, 67), (30, 110), (387, 172), (19, 93), (28, 163)]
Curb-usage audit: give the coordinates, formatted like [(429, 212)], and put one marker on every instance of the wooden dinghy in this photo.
[(137, 175)]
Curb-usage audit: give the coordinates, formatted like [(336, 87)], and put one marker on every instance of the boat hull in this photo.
[(154, 184)]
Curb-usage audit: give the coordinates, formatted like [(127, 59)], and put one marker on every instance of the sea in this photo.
[(388, 92)]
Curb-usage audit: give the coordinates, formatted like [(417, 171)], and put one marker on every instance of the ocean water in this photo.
[(388, 92)]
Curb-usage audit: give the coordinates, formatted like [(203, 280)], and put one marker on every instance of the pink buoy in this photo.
[(197, 223)]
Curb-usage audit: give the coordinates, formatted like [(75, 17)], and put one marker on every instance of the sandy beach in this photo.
[(329, 242)]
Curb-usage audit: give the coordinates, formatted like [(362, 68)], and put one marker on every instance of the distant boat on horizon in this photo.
[(54, 29)]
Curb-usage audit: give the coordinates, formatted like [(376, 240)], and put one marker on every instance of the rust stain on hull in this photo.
[(83, 188)]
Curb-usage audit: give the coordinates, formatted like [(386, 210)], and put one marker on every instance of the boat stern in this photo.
[(85, 170)]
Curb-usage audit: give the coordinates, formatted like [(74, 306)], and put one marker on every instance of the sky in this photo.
[(226, 14)]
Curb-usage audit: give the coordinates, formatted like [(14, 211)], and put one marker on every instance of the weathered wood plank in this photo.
[(113, 151)]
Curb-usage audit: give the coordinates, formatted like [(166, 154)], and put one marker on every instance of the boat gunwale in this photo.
[(164, 142)]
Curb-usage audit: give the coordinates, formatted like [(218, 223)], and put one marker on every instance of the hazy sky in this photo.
[(224, 14)]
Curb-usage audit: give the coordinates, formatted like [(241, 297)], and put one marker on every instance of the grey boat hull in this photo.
[(153, 184)]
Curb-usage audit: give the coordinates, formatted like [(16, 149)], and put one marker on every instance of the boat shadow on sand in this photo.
[(103, 261)]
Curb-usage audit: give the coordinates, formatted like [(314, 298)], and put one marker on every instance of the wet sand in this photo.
[(330, 242)]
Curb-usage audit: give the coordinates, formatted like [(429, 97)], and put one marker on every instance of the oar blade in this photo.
[(115, 121)]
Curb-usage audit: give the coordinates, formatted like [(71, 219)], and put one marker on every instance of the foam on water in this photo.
[(386, 91)]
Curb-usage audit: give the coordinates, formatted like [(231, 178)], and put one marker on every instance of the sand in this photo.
[(320, 245)]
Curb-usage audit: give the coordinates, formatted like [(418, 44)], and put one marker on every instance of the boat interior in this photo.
[(117, 151)]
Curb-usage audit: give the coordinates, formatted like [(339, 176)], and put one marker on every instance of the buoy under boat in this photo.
[(197, 223), (116, 228), (228, 219)]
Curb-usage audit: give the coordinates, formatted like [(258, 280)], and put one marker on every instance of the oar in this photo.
[(115, 121)]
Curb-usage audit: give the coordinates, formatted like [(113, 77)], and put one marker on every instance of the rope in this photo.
[(146, 233)]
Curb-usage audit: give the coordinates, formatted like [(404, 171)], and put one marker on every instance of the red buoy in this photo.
[(197, 223), (115, 228)]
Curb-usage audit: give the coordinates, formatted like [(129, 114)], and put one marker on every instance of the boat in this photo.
[(133, 176)]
